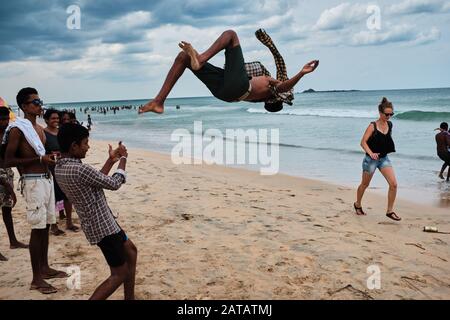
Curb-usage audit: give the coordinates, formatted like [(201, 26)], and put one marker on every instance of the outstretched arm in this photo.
[(289, 84)]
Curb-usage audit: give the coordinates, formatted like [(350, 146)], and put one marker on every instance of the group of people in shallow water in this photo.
[(49, 161), (104, 110)]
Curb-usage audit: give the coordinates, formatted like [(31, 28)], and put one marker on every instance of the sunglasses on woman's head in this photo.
[(389, 114), (36, 102)]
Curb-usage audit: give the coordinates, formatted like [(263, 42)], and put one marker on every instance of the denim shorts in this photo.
[(369, 165)]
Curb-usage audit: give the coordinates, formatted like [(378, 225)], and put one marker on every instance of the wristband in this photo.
[(40, 159), (123, 157)]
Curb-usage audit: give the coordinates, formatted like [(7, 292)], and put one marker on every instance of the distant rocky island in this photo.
[(312, 91)]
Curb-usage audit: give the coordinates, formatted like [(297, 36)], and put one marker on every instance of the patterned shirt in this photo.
[(257, 69), (83, 186)]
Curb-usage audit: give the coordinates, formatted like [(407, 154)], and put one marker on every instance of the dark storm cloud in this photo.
[(31, 29)]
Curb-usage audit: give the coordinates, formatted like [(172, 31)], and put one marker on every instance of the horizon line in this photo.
[(195, 97)]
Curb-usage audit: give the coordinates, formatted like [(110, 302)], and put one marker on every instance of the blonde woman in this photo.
[(377, 142)]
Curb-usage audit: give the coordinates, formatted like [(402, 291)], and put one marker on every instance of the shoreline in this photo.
[(213, 232), (380, 191)]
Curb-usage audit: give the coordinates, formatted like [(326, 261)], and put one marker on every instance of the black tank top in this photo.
[(51, 143), (381, 143)]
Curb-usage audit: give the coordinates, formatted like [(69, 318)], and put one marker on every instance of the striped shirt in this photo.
[(83, 185)]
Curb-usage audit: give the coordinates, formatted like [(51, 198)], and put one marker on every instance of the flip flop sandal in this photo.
[(393, 216), (360, 209), (44, 290)]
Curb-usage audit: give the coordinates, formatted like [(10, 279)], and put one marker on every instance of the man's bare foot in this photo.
[(441, 176), (53, 274), (152, 106), (193, 54), (3, 258), (18, 245)]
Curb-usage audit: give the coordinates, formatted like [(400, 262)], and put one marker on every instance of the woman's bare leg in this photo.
[(365, 182), (389, 175)]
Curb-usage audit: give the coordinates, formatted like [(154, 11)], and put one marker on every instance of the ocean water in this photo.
[(319, 135)]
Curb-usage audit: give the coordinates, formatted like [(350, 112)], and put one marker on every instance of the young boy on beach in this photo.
[(84, 185), (25, 150)]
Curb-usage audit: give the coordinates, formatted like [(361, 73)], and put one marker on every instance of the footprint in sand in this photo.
[(439, 241), (187, 216), (259, 208), (143, 187), (350, 293), (76, 254)]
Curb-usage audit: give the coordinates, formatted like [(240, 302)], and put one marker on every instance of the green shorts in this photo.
[(227, 84)]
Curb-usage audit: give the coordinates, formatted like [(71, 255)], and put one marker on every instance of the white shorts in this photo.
[(39, 196)]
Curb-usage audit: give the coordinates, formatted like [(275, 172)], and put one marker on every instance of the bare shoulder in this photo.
[(371, 127), (15, 132)]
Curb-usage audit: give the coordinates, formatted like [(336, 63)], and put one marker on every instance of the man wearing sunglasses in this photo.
[(25, 150)]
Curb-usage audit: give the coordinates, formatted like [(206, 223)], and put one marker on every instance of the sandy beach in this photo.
[(210, 232)]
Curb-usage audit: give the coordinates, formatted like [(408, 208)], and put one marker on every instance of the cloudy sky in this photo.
[(124, 49)]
